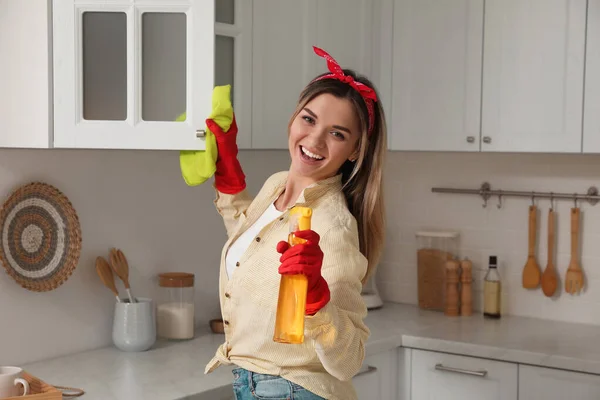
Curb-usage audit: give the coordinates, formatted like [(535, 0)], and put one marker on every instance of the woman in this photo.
[(337, 138)]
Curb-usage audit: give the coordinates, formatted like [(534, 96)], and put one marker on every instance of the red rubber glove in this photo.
[(306, 259), (229, 177)]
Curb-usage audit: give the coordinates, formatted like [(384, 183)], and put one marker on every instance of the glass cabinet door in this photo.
[(233, 60), (132, 74)]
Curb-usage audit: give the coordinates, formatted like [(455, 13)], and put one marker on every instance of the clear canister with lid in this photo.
[(434, 249), (175, 311)]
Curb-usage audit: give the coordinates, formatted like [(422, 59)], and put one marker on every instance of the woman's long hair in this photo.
[(362, 179)]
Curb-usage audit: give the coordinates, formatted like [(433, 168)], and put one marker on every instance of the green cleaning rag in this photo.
[(199, 165)]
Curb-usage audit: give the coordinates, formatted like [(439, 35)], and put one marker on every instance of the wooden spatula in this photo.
[(574, 280), (549, 278), (531, 271), (106, 275), (121, 268)]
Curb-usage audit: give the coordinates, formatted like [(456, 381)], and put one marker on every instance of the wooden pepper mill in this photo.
[(452, 305), (466, 279)]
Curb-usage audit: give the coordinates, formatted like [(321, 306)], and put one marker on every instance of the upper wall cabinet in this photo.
[(519, 64), (284, 32), (124, 71), (98, 74), (437, 50), (591, 116), (533, 66), (25, 81)]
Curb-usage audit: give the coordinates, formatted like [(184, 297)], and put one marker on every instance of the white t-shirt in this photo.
[(237, 249)]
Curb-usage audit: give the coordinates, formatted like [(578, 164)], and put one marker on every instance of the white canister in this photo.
[(134, 325), (175, 312)]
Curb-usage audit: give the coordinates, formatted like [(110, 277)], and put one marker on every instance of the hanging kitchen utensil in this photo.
[(105, 273), (574, 279), (549, 278), (531, 271), (40, 237), (121, 267)]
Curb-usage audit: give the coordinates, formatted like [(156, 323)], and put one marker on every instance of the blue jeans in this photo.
[(249, 385)]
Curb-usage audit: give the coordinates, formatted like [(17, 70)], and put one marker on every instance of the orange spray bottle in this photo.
[(291, 306)]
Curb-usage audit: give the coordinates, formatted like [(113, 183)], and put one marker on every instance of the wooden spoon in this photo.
[(531, 271), (121, 268), (106, 275), (574, 279), (549, 278)]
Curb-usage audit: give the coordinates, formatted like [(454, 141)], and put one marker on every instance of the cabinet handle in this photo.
[(487, 139), (470, 139), (200, 133), (441, 367), (367, 371)]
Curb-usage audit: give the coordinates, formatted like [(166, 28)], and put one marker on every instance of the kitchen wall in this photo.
[(411, 206), (134, 200), (137, 200)]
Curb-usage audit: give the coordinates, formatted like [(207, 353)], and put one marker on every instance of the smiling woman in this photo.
[(336, 139), (323, 136)]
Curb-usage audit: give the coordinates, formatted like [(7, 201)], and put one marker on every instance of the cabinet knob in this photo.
[(200, 133), (487, 139), (470, 139)]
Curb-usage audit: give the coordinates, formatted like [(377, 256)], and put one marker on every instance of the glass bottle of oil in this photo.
[(291, 306), (492, 290)]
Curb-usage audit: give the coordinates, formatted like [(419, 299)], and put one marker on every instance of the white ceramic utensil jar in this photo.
[(175, 312), (134, 325)]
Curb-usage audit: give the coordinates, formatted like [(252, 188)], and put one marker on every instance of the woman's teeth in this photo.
[(311, 155)]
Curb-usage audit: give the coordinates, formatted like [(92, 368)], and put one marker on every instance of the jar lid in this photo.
[(176, 279), (438, 234)]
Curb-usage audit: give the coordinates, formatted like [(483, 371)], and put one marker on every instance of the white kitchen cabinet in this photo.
[(451, 377), (99, 74), (25, 81), (551, 384), (437, 53), (377, 378), (233, 60), (124, 71), (591, 116), (533, 67), (284, 32)]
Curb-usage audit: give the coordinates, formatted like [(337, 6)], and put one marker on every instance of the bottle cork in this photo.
[(452, 307), (466, 294)]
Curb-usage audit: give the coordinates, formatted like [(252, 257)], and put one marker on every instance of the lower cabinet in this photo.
[(450, 377), (377, 378), (434, 375), (551, 384)]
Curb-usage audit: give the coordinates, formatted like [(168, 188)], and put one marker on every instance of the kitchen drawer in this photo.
[(376, 380), (450, 377), (552, 384)]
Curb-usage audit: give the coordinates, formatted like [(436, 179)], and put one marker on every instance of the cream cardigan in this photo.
[(334, 346)]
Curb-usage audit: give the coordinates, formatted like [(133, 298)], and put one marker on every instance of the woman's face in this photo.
[(323, 136)]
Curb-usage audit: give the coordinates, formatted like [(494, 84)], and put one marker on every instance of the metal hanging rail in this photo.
[(486, 192)]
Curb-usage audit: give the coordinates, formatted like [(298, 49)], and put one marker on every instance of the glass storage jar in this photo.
[(434, 248), (175, 311)]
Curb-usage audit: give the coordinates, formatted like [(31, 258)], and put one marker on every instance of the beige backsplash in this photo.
[(491, 231), (137, 200)]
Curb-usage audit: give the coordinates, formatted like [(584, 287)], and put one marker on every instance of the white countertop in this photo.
[(175, 370)]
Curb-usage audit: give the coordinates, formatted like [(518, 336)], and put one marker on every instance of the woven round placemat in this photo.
[(40, 237)]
